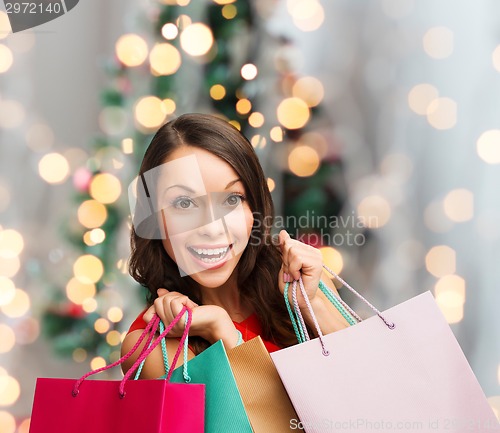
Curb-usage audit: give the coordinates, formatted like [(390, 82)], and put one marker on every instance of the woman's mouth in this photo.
[(210, 255)]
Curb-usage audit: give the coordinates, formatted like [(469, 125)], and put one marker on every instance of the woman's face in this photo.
[(204, 215)]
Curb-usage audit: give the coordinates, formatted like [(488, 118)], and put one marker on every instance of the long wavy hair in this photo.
[(259, 265)]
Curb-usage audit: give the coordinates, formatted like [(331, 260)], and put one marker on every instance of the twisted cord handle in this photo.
[(390, 325), (156, 342), (152, 326), (302, 323), (324, 349)]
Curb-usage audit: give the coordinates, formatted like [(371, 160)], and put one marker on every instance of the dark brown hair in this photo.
[(259, 264)]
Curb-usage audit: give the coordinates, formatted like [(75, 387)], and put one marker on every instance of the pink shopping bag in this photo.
[(109, 406), (403, 371)]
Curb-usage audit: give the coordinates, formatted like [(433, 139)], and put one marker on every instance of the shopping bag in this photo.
[(114, 406), (224, 410), (401, 371), (266, 401)]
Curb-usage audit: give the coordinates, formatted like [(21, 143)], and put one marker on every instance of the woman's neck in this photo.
[(228, 297)]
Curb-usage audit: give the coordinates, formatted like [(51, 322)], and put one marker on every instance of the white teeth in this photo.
[(217, 253), (210, 252)]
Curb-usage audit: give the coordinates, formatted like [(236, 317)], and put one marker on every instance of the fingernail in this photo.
[(286, 277)]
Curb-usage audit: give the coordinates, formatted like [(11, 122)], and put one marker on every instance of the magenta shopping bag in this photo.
[(403, 371), (109, 406)]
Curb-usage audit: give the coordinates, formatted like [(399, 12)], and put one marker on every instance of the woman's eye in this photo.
[(183, 203), (234, 200)]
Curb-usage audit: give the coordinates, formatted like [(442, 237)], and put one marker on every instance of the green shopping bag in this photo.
[(224, 410)]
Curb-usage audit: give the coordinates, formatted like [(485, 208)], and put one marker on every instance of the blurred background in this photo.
[(376, 123)]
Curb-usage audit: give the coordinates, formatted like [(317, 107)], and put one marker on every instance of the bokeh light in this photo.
[(249, 71), (308, 15), (12, 113), (488, 146), (315, 140), (441, 260), (459, 205), (271, 184), (27, 330), (53, 168), (229, 12), (442, 113), (101, 325), (165, 59), (113, 338), (97, 362), (7, 290), (6, 58), (105, 188), (78, 291), (243, 106), (18, 306), (168, 106), (7, 338), (420, 97), (149, 112), (256, 119), (24, 426), (89, 305), (450, 296), (438, 42), (7, 422), (115, 314), (495, 57), (9, 267), (128, 146), (309, 89), (79, 354), (374, 211), (217, 92), (258, 141), (224, 2), (92, 213), (293, 113), (332, 258), (11, 243), (303, 161), (276, 134), (88, 269), (9, 390), (169, 31), (131, 50), (197, 39)]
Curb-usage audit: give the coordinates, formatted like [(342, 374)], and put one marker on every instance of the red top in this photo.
[(249, 328)]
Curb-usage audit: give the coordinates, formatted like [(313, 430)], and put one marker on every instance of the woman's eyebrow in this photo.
[(230, 184), (187, 188)]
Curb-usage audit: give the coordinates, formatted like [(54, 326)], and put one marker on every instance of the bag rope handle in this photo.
[(390, 325), (151, 327), (156, 342)]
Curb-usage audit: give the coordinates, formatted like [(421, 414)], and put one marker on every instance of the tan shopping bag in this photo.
[(264, 397)]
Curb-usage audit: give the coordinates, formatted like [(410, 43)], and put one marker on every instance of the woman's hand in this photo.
[(210, 322), (300, 259)]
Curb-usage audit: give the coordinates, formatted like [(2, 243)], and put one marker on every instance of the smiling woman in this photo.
[(200, 195)]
